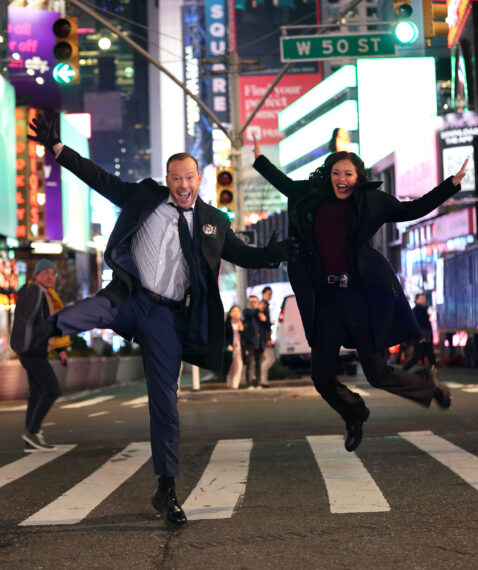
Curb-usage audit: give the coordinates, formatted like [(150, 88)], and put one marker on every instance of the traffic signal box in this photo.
[(67, 70), (225, 190), (434, 14), (405, 31)]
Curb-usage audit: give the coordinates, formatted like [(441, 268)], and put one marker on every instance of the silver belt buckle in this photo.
[(343, 280)]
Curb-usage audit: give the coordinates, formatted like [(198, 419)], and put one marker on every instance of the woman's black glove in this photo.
[(45, 132), (284, 250)]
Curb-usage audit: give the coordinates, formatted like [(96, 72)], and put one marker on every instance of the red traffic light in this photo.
[(224, 178), (225, 197), (62, 28)]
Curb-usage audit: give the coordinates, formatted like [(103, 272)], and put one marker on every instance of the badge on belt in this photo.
[(209, 230)]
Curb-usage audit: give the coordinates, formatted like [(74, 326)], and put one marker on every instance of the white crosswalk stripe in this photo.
[(461, 462), (89, 402), (218, 494), (74, 505), (136, 401), (350, 487), (223, 482), (27, 464)]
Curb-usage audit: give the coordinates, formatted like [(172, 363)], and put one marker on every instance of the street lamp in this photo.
[(104, 43)]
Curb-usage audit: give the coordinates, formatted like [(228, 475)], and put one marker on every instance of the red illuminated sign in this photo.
[(264, 125)]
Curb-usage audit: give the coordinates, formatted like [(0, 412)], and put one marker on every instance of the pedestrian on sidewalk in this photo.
[(257, 325), (268, 358), (37, 300), (346, 291), (422, 348), (165, 251), (234, 339)]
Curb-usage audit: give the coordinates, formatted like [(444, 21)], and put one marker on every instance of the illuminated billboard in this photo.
[(75, 193), (30, 194), (396, 96), (416, 162), (458, 141), (30, 46), (322, 93), (318, 132), (8, 221), (264, 125)]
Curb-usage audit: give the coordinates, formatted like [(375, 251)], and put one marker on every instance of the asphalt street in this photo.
[(265, 482)]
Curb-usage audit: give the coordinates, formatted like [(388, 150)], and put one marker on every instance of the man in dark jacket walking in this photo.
[(165, 252), (346, 291), (424, 347), (37, 300), (256, 326)]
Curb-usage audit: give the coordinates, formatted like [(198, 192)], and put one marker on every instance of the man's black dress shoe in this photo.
[(165, 501), (442, 392), (354, 431)]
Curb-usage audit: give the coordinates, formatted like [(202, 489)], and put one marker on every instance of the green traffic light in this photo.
[(63, 73), (405, 32)]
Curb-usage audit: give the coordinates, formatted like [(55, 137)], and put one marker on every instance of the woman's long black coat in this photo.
[(392, 320)]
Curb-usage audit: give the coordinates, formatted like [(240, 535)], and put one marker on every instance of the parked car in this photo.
[(292, 348)]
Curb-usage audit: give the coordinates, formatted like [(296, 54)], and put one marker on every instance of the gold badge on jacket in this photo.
[(209, 230)]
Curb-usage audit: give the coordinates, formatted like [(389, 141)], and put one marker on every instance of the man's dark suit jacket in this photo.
[(217, 240)]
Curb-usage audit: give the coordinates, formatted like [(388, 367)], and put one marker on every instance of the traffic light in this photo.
[(405, 31), (225, 190), (67, 70), (434, 14)]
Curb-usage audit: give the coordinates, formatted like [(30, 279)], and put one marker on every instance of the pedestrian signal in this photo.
[(434, 14), (405, 31), (67, 70), (225, 191)]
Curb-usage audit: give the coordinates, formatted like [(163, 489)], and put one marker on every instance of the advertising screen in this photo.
[(395, 97), (265, 123), (458, 141), (8, 219), (30, 45), (75, 193)]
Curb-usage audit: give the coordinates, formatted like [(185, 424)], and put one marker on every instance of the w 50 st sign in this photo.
[(315, 48)]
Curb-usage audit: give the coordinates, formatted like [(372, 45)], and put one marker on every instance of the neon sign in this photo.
[(30, 180)]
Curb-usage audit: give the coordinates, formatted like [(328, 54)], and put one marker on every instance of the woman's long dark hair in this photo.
[(321, 175), (228, 317)]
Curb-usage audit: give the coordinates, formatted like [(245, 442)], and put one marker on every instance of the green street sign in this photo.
[(336, 46), (63, 73)]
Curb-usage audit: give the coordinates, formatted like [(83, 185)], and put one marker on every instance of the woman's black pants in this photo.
[(342, 313)]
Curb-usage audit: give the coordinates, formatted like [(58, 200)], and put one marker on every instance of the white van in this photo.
[(292, 348)]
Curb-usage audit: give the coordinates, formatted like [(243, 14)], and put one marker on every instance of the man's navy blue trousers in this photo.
[(159, 331)]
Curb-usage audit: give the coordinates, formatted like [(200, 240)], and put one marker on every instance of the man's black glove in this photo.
[(281, 251), (45, 132)]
